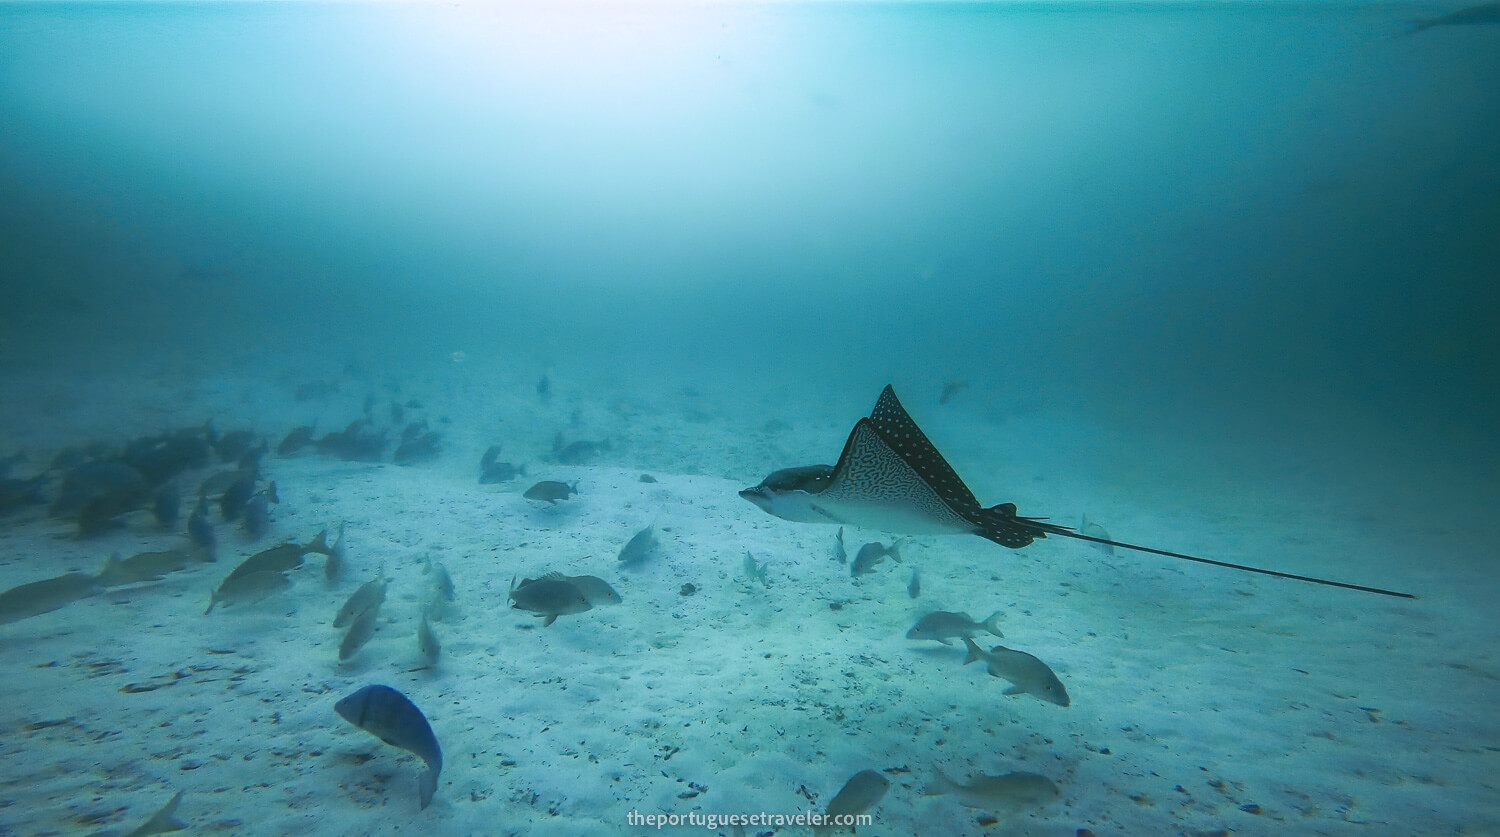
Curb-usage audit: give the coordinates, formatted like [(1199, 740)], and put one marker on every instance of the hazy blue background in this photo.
[(1277, 219)]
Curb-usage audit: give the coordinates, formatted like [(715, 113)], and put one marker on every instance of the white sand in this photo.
[(1196, 691)]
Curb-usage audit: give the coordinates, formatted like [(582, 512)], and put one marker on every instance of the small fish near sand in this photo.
[(1094, 530), (550, 491), (45, 596), (549, 598), (268, 569), (755, 571), (442, 599), (872, 554), (427, 642), (1026, 673), (1006, 795), (943, 625), (95, 493), (238, 493), (595, 589), (862, 792), (839, 551), (236, 445), (359, 442), (360, 632), (390, 716), (442, 582), (914, 586), (641, 546), (257, 512), (418, 445), (143, 566), (370, 594), (492, 471), (287, 556), (334, 559), (296, 440), (248, 588)]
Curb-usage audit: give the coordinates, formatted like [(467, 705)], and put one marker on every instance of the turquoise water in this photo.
[(1211, 259), (1248, 203)]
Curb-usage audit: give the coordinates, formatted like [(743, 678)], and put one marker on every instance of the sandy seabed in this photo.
[(1203, 701)]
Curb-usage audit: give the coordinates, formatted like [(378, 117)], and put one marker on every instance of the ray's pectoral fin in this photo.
[(895, 484)]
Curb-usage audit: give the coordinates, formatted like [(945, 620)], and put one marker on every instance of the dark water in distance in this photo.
[(1279, 215)]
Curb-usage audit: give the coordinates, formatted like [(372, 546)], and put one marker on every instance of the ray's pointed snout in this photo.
[(756, 495)]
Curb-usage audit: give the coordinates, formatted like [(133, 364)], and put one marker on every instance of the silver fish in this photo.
[(594, 589), (257, 511), (755, 571), (914, 587), (370, 594), (942, 625), (359, 632), (427, 642), (642, 545), (871, 554), (439, 609), (144, 566), (1009, 794), (858, 795), (1094, 530), (248, 588), (1026, 673), (44, 596), (442, 582), (287, 556), (549, 597), (333, 564)]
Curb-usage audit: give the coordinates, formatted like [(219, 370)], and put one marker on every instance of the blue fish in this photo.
[(388, 715)]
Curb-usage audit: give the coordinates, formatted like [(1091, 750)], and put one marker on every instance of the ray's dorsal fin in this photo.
[(873, 486), (895, 427)]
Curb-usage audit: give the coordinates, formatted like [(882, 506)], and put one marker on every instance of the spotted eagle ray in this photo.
[(890, 477)]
